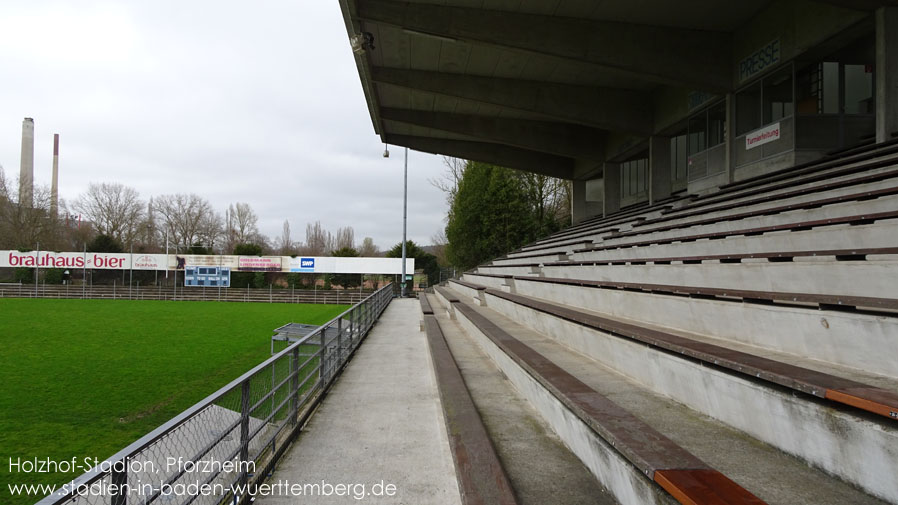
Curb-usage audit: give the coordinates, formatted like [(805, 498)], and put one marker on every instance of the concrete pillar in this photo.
[(26, 167), (612, 188), (886, 72), (586, 199), (578, 201), (729, 135), (660, 184)]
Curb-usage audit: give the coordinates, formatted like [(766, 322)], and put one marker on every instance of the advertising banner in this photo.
[(122, 261), (259, 264), (102, 261), (190, 260)]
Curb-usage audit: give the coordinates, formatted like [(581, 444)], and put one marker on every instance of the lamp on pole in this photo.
[(404, 214), (404, 219)]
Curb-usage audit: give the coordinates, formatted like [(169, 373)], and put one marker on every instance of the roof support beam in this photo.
[(698, 59), (603, 108), (860, 5), (563, 139), (497, 154)]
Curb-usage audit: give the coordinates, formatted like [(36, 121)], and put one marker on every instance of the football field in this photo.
[(84, 378)]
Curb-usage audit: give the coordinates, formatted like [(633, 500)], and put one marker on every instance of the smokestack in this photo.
[(54, 187), (26, 170)]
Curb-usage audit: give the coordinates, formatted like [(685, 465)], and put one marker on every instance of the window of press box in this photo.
[(748, 109), (717, 119), (777, 96), (707, 129), (765, 102), (858, 89), (817, 87), (698, 133), (634, 177), (679, 158)]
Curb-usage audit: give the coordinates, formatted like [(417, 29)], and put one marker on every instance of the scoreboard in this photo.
[(207, 276)]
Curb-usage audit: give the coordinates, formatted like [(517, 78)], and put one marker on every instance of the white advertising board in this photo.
[(337, 265)]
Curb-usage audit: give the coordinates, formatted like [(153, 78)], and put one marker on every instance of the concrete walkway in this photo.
[(380, 425)]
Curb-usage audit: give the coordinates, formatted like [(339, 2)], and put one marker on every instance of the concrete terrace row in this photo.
[(737, 347)]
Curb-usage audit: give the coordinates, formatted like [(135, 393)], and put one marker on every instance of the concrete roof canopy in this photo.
[(532, 84)]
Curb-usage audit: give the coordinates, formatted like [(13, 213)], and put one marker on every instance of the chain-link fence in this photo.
[(217, 450), (181, 293)]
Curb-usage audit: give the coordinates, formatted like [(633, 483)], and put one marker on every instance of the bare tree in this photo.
[(114, 209), (212, 231), (244, 223), (440, 242), (319, 242), (448, 182), (26, 226), (368, 249), (185, 218), (285, 244), (345, 238)]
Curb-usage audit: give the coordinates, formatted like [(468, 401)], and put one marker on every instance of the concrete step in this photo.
[(806, 333), (538, 465), (829, 170), (635, 462), (877, 235), (848, 442), (759, 468), (855, 204), (872, 180), (816, 275), (823, 209)]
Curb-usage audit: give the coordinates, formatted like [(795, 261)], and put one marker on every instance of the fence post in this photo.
[(339, 342), (244, 428), (294, 387), (322, 358), (273, 413), (119, 481)]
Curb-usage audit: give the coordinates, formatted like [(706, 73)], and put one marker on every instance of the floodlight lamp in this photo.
[(361, 42), (386, 151)]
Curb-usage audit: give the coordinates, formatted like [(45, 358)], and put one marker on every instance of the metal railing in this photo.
[(216, 450)]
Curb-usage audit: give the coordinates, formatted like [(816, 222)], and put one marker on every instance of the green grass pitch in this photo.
[(84, 378)]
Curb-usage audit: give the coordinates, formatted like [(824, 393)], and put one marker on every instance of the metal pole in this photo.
[(37, 268), (404, 218), (166, 255), (84, 272), (131, 272)]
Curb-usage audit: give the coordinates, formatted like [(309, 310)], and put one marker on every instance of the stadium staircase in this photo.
[(734, 347)]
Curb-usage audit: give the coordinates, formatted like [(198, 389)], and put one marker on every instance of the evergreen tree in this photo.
[(490, 215), (423, 260)]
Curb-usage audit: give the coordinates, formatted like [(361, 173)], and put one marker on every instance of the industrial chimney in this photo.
[(26, 170), (54, 186)]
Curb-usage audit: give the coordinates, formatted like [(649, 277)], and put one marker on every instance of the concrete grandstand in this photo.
[(719, 324)]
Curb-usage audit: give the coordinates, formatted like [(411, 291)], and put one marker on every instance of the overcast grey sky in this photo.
[(235, 101)]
